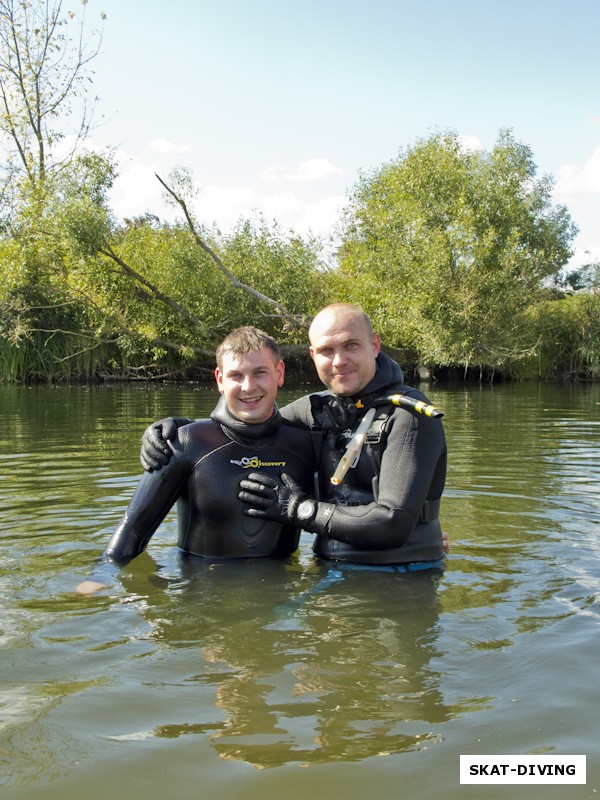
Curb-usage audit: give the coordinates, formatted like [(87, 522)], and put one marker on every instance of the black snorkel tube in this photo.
[(404, 401)]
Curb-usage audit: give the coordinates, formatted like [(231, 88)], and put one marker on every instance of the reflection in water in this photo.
[(272, 663), (308, 665)]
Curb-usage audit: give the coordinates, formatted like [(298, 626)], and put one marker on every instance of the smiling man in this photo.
[(248, 381), (211, 456), (344, 348), (384, 510)]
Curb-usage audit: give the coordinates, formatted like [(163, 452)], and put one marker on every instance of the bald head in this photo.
[(336, 314), (344, 348)]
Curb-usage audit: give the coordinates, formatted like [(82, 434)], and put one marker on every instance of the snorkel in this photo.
[(352, 452)]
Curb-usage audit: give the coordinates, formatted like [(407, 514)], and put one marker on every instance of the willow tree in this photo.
[(46, 111), (174, 290), (567, 322), (447, 247)]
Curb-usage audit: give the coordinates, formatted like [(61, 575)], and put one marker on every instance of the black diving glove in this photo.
[(333, 413), (270, 498), (155, 452)]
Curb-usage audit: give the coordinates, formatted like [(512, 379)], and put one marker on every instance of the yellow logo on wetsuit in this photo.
[(255, 462)]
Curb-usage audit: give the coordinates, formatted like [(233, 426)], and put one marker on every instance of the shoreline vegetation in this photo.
[(299, 372), (459, 256)]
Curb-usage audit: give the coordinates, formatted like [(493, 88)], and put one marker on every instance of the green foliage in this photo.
[(44, 339), (281, 265), (45, 331), (568, 330), (172, 289), (447, 248)]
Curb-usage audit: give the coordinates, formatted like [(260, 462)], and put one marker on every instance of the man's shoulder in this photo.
[(197, 426), (201, 431), (298, 413)]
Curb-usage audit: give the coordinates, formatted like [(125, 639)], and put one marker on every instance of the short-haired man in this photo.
[(210, 457), (384, 511)]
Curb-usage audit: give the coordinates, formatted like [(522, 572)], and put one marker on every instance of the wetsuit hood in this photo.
[(389, 374), (260, 430)]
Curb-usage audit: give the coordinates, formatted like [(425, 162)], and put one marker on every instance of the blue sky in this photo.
[(277, 105)]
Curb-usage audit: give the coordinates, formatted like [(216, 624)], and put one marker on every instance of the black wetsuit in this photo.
[(394, 518), (210, 458)]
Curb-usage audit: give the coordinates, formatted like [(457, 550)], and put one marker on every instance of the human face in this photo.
[(343, 351), (249, 383)]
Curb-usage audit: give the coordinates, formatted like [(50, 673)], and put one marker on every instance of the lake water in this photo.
[(267, 679)]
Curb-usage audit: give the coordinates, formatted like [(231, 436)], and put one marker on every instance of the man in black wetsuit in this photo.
[(385, 510), (210, 457)]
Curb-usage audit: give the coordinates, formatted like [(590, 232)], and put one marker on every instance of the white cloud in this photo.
[(321, 217), (313, 169), (164, 146), (285, 207), (470, 143), (225, 207), (137, 190), (571, 179), (584, 255), (272, 174)]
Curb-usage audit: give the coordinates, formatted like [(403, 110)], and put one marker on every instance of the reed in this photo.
[(54, 359)]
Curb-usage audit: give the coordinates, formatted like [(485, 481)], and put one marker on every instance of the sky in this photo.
[(277, 106)]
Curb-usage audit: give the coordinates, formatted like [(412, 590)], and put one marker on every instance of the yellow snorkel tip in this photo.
[(416, 405)]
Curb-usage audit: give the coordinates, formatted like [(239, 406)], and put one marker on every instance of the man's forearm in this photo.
[(371, 525), (126, 542)]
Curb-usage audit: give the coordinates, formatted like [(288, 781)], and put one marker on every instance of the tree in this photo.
[(181, 288), (568, 329), (45, 77), (446, 248), (46, 329), (45, 115)]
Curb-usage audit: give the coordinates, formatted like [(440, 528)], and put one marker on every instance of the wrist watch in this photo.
[(306, 510)]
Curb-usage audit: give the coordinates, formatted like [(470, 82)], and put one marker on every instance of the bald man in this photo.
[(385, 509)]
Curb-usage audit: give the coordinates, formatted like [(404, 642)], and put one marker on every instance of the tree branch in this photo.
[(136, 336), (168, 301), (297, 320)]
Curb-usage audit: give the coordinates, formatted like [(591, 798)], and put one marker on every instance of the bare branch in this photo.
[(89, 348), (117, 320), (44, 59), (155, 291), (297, 320)]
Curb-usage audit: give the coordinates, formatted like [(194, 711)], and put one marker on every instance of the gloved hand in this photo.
[(155, 451), (333, 413), (270, 498)]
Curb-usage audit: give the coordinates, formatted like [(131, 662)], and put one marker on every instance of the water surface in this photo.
[(253, 679)]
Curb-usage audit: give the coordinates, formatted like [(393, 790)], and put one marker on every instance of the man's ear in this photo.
[(376, 343), (280, 373), (219, 379)]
